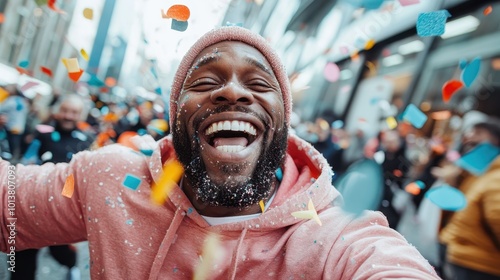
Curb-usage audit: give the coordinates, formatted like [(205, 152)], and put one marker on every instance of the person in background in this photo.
[(15, 109), (58, 145)]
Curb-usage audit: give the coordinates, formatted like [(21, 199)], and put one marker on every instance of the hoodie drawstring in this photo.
[(236, 253), (165, 244)]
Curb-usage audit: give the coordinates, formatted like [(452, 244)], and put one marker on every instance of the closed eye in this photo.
[(204, 84), (259, 85)]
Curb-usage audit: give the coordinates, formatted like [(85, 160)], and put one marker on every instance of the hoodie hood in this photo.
[(306, 175)]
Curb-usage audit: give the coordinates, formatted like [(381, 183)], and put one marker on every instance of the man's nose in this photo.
[(232, 93)]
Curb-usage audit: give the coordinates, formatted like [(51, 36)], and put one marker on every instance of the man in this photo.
[(472, 235), (15, 109), (229, 112), (57, 146)]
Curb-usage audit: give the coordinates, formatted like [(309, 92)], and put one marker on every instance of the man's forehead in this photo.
[(243, 50)]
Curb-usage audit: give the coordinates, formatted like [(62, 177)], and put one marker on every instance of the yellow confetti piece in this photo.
[(65, 62), (391, 122), (262, 206), (69, 187), (3, 95), (210, 254), (172, 172), (310, 213), (72, 65), (369, 44), (88, 13), (84, 54)]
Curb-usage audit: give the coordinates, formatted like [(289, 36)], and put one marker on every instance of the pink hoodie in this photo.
[(130, 238)]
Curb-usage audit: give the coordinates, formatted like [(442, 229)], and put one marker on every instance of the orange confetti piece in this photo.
[(310, 213), (397, 173), (110, 82), (46, 71), (2, 18), (177, 12), (22, 70), (262, 206), (69, 187), (413, 189), (172, 172), (488, 10), (369, 44), (52, 5), (75, 76), (355, 56), (449, 88)]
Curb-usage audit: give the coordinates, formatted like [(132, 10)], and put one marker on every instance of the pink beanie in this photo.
[(232, 33)]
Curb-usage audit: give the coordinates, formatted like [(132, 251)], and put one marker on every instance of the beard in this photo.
[(231, 192)]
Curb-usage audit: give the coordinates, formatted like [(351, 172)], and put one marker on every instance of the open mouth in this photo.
[(230, 136)]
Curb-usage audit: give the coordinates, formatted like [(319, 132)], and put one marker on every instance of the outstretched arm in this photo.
[(33, 212)]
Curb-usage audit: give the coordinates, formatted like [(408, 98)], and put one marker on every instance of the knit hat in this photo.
[(232, 33)]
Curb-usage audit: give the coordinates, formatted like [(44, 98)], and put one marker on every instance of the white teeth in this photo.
[(230, 148), (232, 126)]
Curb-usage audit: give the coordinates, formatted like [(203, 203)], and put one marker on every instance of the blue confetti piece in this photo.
[(69, 155), (19, 104), (432, 23), (447, 198), (234, 24), (33, 148), (479, 159), (414, 116), (146, 152), (142, 132), (279, 174), (470, 72), (190, 210), (55, 136), (24, 64), (420, 184), (132, 182), (158, 90), (129, 222), (179, 25), (367, 4)]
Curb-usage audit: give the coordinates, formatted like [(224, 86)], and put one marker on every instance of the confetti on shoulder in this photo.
[(310, 213), (172, 172), (69, 187)]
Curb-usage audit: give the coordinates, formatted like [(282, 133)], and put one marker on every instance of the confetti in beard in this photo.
[(230, 193)]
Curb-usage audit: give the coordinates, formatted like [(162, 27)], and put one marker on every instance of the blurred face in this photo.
[(391, 141), (229, 131), (476, 136), (69, 114)]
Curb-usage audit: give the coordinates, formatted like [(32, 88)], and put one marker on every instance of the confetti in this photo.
[(432, 23), (488, 10), (24, 64), (55, 136), (470, 72), (367, 4), (110, 82), (146, 152), (52, 5), (414, 116), (22, 71), (71, 64), (449, 88), (479, 159), (369, 44), (310, 213), (43, 128), (211, 254), (331, 72), (172, 172), (46, 71), (179, 25), (125, 139), (2, 18), (3, 95), (132, 182), (84, 54), (447, 198), (262, 206), (413, 188), (177, 12), (355, 56), (28, 85), (228, 23), (391, 123), (279, 174), (462, 63), (408, 2), (69, 187), (32, 150), (88, 13), (75, 76)]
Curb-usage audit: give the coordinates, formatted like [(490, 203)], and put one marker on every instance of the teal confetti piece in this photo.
[(234, 24), (55, 136), (420, 184), (132, 182), (462, 63), (158, 90), (447, 198), (470, 72), (479, 159), (414, 116), (432, 23), (146, 152), (279, 174), (24, 64), (367, 4), (179, 25)]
